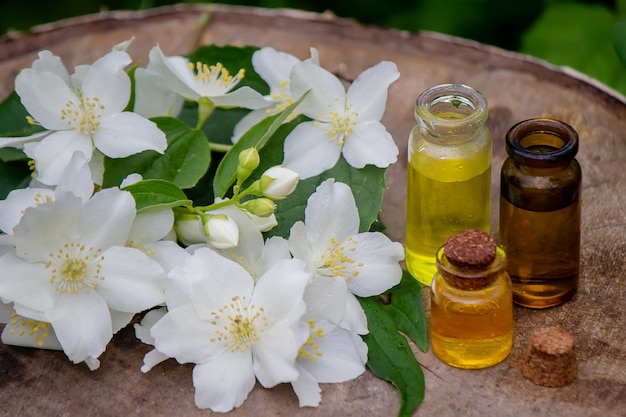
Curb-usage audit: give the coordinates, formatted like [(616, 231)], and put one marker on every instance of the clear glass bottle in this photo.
[(471, 306), (449, 172), (540, 186)]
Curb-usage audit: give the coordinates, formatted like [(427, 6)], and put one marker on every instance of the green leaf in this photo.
[(579, 36), (13, 121), (619, 40), (367, 184), (14, 175), (184, 162), (257, 137), (154, 195), (12, 154), (406, 309), (390, 356)]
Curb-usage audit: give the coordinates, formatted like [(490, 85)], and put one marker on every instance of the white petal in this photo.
[(19, 141), (244, 97), (6, 311), (331, 213), (280, 290), (182, 335), (273, 66), (76, 178), (44, 228), (326, 89), (82, 324), (307, 389), (143, 328), (108, 82), (12, 208), (54, 153), (22, 331), (132, 281), (152, 97), (214, 281), (223, 383), (44, 95), (151, 226), (339, 359), (354, 318), (120, 319), (107, 218), (275, 354), (308, 151), (26, 283), (151, 359), (326, 298), (380, 268), (300, 246), (368, 93), (125, 134), (370, 143), (51, 63), (175, 72)]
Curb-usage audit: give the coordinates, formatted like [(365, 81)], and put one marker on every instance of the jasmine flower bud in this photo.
[(278, 182), (221, 230), (261, 207), (248, 161)]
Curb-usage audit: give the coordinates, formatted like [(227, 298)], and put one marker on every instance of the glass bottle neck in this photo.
[(450, 113), (542, 143)]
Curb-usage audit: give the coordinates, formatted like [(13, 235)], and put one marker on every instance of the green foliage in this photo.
[(155, 195), (184, 144), (580, 36), (256, 137), (390, 356)]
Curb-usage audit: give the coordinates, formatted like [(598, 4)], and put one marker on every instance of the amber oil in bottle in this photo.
[(471, 306), (540, 211), (449, 172)]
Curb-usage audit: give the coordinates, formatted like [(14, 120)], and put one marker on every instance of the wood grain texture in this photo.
[(45, 383)]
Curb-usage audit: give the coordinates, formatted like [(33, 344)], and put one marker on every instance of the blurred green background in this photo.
[(583, 34)]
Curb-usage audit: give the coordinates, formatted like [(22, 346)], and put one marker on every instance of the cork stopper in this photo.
[(550, 360), (470, 253), (470, 249)]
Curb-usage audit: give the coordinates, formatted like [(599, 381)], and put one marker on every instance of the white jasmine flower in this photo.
[(278, 182), (75, 180), (274, 67), (81, 112), (233, 330), (152, 97), (344, 123), (331, 245), (194, 81), (331, 353), (70, 268)]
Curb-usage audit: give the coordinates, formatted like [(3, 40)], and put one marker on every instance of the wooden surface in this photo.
[(44, 383)]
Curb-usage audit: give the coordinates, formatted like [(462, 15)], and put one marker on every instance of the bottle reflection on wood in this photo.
[(540, 212)]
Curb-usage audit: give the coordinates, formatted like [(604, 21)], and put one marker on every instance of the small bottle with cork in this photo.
[(471, 308)]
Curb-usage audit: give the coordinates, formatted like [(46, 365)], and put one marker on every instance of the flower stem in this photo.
[(220, 147)]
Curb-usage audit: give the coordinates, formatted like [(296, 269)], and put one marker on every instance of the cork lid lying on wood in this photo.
[(550, 360)]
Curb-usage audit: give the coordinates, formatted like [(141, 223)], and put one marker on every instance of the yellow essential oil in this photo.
[(449, 173), (471, 312)]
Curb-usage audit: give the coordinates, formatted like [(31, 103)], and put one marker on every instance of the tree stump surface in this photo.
[(44, 383)]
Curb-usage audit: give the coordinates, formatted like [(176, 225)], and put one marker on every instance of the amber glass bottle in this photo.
[(449, 172), (540, 186), (471, 306)]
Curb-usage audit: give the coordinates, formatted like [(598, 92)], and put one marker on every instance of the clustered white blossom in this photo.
[(77, 262)]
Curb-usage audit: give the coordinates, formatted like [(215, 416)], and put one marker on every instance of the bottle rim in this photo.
[(547, 126), (471, 279), (474, 103)]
